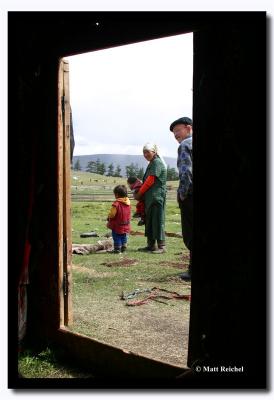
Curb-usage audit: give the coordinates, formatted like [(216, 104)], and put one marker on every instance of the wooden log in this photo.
[(83, 249)]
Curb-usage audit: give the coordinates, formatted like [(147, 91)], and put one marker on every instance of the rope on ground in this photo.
[(154, 294)]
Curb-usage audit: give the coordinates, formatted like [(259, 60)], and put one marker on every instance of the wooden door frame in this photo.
[(64, 197)]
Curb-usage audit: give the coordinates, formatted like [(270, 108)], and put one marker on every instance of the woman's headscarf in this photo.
[(153, 147)]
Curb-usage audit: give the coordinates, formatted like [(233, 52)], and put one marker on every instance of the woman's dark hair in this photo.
[(131, 179), (120, 191)]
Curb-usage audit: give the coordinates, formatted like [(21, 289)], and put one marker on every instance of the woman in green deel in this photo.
[(153, 192)]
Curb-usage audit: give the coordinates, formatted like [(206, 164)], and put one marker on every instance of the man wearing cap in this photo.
[(182, 130)]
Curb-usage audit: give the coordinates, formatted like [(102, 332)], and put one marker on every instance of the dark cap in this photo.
[(183, 120)]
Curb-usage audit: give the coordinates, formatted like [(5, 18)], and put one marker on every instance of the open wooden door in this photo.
[(64, 196)]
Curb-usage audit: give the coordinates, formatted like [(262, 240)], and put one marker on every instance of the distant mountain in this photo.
[(120, 159)]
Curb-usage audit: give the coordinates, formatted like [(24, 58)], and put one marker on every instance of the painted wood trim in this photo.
[(60, 179), (67, 213), (109, 361)]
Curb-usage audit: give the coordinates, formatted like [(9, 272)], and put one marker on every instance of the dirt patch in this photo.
[(174, 264), (185, 256), (126, 262), (178, 280), (171, 234)]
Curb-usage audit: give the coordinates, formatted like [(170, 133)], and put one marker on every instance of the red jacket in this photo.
[(136, 185), (121, 221)]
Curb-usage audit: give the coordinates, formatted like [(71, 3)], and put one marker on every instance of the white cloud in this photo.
[(100, 148), (128, 95)]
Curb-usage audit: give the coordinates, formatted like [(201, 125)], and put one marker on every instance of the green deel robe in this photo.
[(155, 200)]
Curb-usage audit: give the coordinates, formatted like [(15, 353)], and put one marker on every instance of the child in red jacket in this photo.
[(135, 183), (119, 218)]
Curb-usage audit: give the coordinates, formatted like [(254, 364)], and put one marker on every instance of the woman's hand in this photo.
[(137, 196)]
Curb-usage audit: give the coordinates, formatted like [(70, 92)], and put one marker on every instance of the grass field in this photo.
[(158, 330), (93, 187)]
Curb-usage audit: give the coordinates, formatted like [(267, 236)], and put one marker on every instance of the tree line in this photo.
[(98, 167)]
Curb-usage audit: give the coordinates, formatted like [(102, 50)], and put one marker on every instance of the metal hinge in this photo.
[(65, 283), (65, 275), (63, 105)]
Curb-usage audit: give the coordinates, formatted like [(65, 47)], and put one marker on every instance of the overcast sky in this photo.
[(126, 96)]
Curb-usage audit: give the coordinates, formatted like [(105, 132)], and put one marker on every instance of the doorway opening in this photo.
[(114, 101)]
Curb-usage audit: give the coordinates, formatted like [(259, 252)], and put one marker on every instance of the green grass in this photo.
[(92, 216), (99, 181), (98, 310), (99, 187), (156, 330), (47, 363)]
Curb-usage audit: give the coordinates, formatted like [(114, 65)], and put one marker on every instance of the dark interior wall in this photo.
[(43, 316), (229, 275), (33, 170), (227, 316)]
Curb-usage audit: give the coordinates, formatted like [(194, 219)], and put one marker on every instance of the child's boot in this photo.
[(116, 250), (123, 248)]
